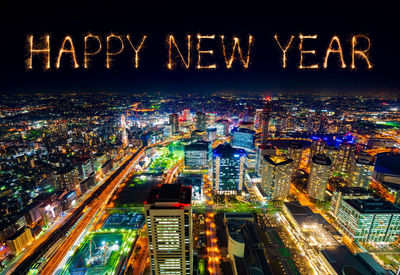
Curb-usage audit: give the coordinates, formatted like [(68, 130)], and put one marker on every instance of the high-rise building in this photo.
[(186, 115), (361, 170), (317, 147), (266, 114), (201, 121), (387, 173), (318, 179), (222, 127), (243, 138), (370, 220), (345, 193), (295, 152), (228, 169), (345, 157), (211, 117), (275, 176), (124, 134), (174, 122), (198, 155), (249, 114), (211, 134), (332, 152), (168, 213), (85, 168), (267, 150)]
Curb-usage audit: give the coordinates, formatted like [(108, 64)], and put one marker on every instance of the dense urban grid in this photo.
[(224, 183)]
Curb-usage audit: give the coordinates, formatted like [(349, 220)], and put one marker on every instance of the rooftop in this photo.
[(176, 193), (353, 190), (373, 206), (321, 159), (277, 160), (344, 262)]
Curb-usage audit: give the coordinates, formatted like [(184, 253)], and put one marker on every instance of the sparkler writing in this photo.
[(229, 50)]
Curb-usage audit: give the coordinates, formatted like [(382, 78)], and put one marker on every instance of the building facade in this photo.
[(243, 138), (319, 175), (168, 213), (275, 176), (370, 220), (228, 169), (345, 193), (197, 155)]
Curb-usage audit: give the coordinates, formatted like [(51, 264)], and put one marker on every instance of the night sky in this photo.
[(264, 74)]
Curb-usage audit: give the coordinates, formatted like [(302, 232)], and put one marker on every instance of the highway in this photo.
[(212, 246), (93, 203), (95, 209)]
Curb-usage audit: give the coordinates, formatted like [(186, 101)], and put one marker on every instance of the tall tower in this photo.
[(124, 135), (318, 179), (275, 176), (265, 148), (174, 121), (266, 115), (168, 213)]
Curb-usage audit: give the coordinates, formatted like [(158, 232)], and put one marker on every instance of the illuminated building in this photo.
[(168, 213), (85, 168), (222, 127), (339, 260), (317, 147), (197, 155), (311, 226), (295, 152), (174, 122), (344, 193), (124, 135), (318, 179), (210, 119), (243, 138), (361, 171), (275, 176), (249, 114), (345, 157), (245, 250), (228, 169), (67, 179), (186, 115), (211, 134), (332, 153), (267, 150), (387, 173), (20, 240), (201, 121), (370, 220)]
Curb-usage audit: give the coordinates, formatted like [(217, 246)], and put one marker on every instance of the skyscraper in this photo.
[(222, 127), (361, 170), (295, 152), (317, 147), (345, 157), (265, 148), (275, 176), (174, 122), (243, 138), (197, 155), (228, 169), (266, 114), (124, 135), (201, 121), (318, 179), (168, 213)]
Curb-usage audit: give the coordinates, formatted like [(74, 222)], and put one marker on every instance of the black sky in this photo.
[(158, 20)]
